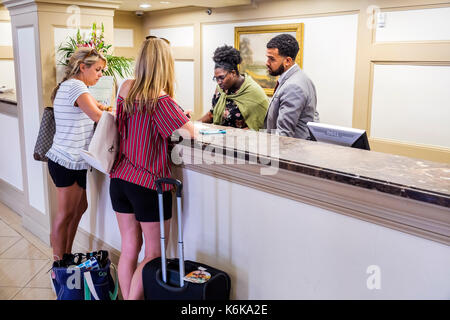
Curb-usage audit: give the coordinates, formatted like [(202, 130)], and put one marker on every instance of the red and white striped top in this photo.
[(143, 142)]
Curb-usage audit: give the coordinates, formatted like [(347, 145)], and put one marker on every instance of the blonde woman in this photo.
[(147, 116), (75, 111)]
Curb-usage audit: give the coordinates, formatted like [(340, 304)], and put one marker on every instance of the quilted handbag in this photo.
[(45, 136)]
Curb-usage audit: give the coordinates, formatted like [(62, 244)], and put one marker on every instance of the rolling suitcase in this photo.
[(165, 279)]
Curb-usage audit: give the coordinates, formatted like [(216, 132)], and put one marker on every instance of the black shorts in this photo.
[(63, 177), (127, 197)]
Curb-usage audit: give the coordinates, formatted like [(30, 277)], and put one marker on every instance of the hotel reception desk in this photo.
[(297, 219)]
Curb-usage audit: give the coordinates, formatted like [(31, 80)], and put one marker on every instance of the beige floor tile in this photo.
[(18, 272), (42, 279), (7, 242), (7, 293), (23, 250), (8, 216), (7, 231), (33, 240), (35, 294)]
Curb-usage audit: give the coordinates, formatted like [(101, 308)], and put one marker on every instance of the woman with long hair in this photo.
[(147, 116), (75, 112)]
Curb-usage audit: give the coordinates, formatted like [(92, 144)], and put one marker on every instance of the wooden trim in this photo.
[(198, 71), (40, 231), (370, 52), (361, 92), (9, 109), (12, 197), (437, 154), (6, 52), (183, 53), (430, 51), (417, 218)]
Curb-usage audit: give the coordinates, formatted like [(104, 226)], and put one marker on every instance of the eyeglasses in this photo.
[(155, 37), (220, 78)]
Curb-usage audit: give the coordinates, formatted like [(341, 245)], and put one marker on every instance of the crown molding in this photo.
[(107, 4)]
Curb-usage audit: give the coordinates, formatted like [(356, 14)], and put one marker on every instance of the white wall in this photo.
[(5, 31), (178, 36), (10, 161), (184, 70), (411, 104), (415, 25), (31, 120), (184, 88), (329, 60), (123, 38), (100, 219), (7, 74), (61, 36), (275, 248)]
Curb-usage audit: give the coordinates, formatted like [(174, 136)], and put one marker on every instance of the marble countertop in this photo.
[(397, 175), (8, 97)]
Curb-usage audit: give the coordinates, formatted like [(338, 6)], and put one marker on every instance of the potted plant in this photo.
[(116, 66)]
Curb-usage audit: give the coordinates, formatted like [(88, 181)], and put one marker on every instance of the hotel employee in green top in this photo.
[(238, 101)]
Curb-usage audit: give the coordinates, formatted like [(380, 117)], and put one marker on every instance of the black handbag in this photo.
[(45, 136)]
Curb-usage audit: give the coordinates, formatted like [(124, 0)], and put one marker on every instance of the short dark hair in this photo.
[(286, 44), (227, 58)]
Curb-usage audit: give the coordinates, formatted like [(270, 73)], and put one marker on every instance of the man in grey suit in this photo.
[(294, 100)]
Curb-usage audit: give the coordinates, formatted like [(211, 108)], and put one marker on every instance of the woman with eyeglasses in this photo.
[(147, 116), (75, 112), (238, 100)]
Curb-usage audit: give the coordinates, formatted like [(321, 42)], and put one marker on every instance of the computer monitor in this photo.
[(343, 136)]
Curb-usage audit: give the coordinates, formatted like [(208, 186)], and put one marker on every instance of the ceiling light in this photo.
[(164, 2), (145, 5)]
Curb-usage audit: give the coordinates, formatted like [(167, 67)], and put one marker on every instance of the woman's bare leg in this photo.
[(68, 207), (131, 236), (152, 250)]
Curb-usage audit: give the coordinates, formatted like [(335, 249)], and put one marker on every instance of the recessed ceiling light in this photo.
[(164, 2), (145, 5)]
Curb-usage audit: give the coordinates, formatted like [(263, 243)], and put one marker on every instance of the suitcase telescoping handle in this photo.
[(179, 187)]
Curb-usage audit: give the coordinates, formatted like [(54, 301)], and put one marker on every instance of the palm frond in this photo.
[(117, 66)]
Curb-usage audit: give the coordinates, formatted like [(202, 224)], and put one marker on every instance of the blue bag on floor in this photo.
[(75, 279)]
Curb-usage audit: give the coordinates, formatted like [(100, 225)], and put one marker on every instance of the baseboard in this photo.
[(12, 197), (36, 229)]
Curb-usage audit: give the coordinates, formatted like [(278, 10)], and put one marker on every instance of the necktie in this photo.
[(275, 89)]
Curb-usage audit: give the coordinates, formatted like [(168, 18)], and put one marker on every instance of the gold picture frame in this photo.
[(254, 53)]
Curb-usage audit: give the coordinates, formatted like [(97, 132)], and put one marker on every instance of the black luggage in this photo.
[(164, 279)]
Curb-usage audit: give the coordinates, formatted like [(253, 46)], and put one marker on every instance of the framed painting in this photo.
[(252, 41)]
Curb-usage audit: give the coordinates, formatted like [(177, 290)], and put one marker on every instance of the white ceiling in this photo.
[(133, 5)]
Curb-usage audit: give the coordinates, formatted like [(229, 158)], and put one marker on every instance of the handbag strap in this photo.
[(89, 287)]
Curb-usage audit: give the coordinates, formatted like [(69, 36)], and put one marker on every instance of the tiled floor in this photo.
[(24, 261)]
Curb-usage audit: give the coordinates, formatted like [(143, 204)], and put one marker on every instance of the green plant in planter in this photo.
[(116, 66)]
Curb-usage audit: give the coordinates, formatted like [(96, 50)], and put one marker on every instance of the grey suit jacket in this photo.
[(293, 105)]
